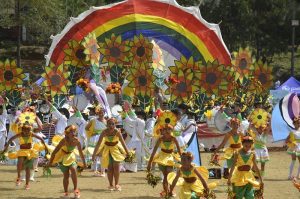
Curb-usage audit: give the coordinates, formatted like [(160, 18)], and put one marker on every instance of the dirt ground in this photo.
[(134, 185)]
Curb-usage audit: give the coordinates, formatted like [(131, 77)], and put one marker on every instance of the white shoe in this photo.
[(32, 179)]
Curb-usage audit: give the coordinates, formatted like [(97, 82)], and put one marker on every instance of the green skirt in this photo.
[(66, 168)]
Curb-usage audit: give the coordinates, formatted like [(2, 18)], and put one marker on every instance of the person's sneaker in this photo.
[(36, 169), (118, 188), (76, 194), (31, 179), (27, 187), (18, 182), (111, 188), (66, 195)]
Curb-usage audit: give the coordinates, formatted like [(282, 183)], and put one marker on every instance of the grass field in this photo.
[(134, 185)]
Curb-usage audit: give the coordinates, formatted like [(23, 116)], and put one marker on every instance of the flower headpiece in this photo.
[(70, 128), (188, 154), (84, 84)]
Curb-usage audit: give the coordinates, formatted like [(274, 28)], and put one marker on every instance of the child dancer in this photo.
[(192, 182), (241, 176), (64, 155), (93, 129), (111, 151), (26, 154), (235, 140), (261, 151), (293, 142), (165, 158)]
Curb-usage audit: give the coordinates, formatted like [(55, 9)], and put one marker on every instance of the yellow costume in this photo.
[(166, 156), (66, 157), (111, 150), (241, 178), (187, 185), (27, 153), (235, 143), (294, 143)]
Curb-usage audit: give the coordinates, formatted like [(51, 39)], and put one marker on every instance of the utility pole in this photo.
[(294, 24), (17, 11)]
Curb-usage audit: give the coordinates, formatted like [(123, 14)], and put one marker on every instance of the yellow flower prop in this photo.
[(255, 87), (263, 73), (259, 117), (56, 79), (142, 79), (141, 50), (91, 49), (242, 63), (75, 55), (167, 117), (27, 117), (115, 51), (208, 114), (10, 75), (184, 73), (212, 79)]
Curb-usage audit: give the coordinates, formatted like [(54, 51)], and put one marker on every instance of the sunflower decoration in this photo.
[(263, 73), (254, 86), (10, 75), (167, 117), (141, 50), (243, 63), (91, 49), (212, 79), (183, 73), (142, 79), (75, 55), (259, 117), (56, 79), (115, 50), (27, 117)]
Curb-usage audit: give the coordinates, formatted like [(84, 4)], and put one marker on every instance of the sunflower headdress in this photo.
[(27, 117), (165, 118), (259, 117)]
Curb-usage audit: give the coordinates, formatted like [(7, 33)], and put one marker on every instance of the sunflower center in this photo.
[(181, 87), (167, 120), (259, 117), (243, 64), (140, 51), (8, 75), (115, 52), (27, 118), (79, 54), (262, 78), (55, 80), (142, 80), (211, 78), (94, 49)]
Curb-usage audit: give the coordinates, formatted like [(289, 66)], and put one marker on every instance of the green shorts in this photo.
[(163, 168), (27, 164), (246, 191), (66, 168)]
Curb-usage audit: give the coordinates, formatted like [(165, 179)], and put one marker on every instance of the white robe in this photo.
[(3, 132)]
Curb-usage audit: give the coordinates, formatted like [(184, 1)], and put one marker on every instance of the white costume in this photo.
[(191, 123), (62, 121), (100, 95), (3, 132), (150, 123), (80, 123)]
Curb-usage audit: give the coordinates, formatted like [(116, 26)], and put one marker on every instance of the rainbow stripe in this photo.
[(177, 31)]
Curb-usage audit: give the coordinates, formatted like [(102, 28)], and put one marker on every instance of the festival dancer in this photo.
[(64, 155), (26, 154), (235, 140), (293, 142), (111, 147), (94, 129), (192, 184), (261, 151), (3, 132), (165, 158), (241, 176)]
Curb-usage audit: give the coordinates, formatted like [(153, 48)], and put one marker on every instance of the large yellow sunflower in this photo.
[(184, 73), (75, 55), (242, 63), (142, 79), (56, 79), (263, 73), (141, 50), (27, 117), (91, 49), (259, 117), (10, 75), (212, 79), (167, 117), (115, 51)]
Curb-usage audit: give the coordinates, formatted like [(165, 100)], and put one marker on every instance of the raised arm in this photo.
[(40, 125)]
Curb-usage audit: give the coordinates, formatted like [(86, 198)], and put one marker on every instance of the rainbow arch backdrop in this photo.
[(177, 30)]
